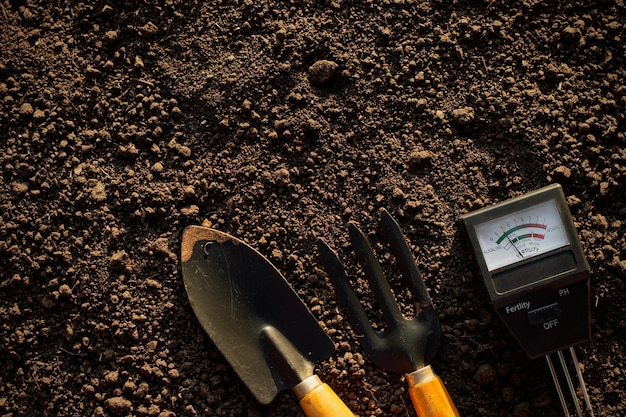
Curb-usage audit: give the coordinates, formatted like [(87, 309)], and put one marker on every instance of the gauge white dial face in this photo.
[(521, 235)]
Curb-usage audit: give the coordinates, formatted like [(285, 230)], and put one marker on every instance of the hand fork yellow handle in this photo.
[(429, 395)]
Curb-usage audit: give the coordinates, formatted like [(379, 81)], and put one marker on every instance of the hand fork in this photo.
[(404, 345)]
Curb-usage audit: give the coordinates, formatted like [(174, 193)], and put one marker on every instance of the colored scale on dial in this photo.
[(509, 236)]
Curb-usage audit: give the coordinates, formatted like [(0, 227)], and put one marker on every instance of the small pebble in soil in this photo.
[(110, 36), (322, 71), (119, 261), (118, 405), (463, 116), (281, 177), (26, 110), (65, 291), (420, 157), (485, 374), (562, 173)]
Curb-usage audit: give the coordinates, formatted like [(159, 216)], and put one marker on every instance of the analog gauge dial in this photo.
[(521, 235)]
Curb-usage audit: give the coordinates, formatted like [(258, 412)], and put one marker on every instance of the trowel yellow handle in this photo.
[(429, 395), (317, 399)]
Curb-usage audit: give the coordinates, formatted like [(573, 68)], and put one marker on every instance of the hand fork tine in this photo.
[(375, 277), (424, 309), (345, 293), (406, 263)]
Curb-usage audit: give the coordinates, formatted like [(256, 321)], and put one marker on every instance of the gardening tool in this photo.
[(256, 320), (405, 346)]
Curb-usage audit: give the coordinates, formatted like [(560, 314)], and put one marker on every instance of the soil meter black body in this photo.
[(537, 277), (534, 269)]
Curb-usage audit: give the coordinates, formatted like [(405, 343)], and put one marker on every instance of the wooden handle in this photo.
[(429, 395), (317, 399)]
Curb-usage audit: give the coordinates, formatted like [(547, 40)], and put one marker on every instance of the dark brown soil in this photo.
[(279, 122)]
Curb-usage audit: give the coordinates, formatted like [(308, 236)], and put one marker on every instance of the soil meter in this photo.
[(536, 275)]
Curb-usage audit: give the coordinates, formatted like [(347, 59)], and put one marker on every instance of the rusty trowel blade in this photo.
[(250, 312)]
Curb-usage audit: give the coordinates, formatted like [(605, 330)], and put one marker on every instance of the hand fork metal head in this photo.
[(404, 345)]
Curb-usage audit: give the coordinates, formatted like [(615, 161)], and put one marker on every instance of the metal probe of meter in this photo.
[(537, 278)]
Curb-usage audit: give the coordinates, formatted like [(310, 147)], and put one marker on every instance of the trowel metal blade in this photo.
[(251, 313)]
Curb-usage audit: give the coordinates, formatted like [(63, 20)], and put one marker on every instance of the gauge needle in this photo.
[(513, 244)]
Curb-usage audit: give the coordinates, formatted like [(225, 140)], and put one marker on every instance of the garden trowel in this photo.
[(256, 320)]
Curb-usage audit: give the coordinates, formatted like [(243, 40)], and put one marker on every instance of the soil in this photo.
[(279, 122)]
